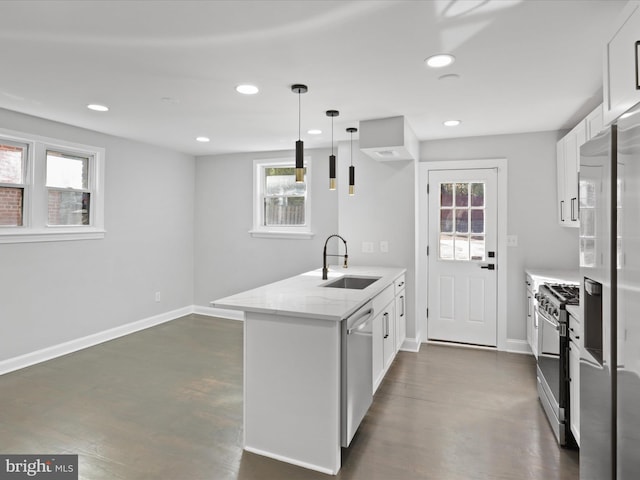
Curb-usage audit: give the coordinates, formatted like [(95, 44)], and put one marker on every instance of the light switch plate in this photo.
[(384, 246)]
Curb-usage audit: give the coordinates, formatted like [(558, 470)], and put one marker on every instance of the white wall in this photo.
[(532, 197), (382, 209), (229, 260), (59, 291)]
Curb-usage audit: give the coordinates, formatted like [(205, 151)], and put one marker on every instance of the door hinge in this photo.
[(427, 189), (427, 250), (427, 313)]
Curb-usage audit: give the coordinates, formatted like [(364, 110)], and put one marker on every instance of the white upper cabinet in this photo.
[(568, 158), (621, 79), (595, 122)]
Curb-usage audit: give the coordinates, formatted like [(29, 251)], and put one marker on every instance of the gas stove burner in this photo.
[(567, 294)]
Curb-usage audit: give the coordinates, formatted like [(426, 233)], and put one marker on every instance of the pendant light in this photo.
[(352, 169), (332, 157), (299, 89)]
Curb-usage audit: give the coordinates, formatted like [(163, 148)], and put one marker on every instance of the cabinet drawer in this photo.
[(399, 284)]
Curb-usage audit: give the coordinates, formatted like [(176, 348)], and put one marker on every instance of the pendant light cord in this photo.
[(331, 135), (299, 114), (351, 148)]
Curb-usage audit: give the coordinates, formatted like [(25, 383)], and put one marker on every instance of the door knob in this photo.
[(490, 266)]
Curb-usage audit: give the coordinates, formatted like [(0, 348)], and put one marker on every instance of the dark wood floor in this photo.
[(166, 403)]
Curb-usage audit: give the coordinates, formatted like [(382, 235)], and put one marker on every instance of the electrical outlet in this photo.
[(157, 296), (512, 240), (367, 247), (384, 246)]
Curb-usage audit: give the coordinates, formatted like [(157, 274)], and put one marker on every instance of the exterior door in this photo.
[(462, 259)]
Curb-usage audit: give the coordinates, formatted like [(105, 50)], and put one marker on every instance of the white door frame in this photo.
[(422, 231)]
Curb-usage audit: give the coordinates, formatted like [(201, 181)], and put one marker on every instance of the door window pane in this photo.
[(67, 171), (462, 220), (477, 247), (462, 247), (11, 201), (68, 208), (446, 246), (477, 194), (446, 220), (446, 194), (462, 194), (477, 221)]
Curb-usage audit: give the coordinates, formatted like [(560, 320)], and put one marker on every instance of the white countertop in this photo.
[(305, 296), (541, 275)]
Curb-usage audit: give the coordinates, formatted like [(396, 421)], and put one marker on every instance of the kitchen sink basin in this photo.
[(355, 283)]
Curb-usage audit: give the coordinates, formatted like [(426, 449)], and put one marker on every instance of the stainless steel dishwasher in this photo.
[(357, 370)]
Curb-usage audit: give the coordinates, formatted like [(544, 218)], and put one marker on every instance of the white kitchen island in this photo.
[(292, 362)]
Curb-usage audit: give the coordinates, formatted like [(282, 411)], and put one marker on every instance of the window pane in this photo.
[(446, 194), (477, 194), (282, 181), (462, 194), (462, 220), (587, 193), (11, 164), (11, 206), (587, 252), (477, 247), (446, 247), (284, 211), (68, 208), (67, 171), (462, 247), (446, 220), (477, 221)]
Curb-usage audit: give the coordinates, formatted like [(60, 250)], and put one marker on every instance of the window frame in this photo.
[(277, 231), (24, 184), (35, 226)]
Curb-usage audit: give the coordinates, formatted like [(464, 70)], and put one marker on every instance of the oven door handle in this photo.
[(559, 326)]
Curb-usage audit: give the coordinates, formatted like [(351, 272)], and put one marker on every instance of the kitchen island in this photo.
[(293, 351)]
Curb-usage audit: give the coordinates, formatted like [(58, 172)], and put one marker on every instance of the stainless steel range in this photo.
[(553, 356)]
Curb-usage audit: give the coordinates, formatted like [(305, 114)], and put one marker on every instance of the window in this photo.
[(281, 206), (12, 183), (462, 228), (49, 189)]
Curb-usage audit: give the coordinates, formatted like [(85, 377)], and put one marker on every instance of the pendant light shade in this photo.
[(299, 89), (332, 157), (352, 169)]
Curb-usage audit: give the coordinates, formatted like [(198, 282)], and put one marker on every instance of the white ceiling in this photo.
[(168, 69)]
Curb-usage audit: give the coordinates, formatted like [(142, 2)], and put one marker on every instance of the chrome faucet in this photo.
[(325, 269)]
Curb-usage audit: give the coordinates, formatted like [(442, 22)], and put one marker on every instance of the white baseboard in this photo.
[(308, 466), (411, 345), (71, 346), (518, 346), (219, 312)]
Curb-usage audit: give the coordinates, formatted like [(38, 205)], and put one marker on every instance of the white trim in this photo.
[(77, 344), (518, 346), (461, 345), (294, 235), (219, 312), (411, 345), (30, 236), (292, 461), (421, 268), (289, 231)]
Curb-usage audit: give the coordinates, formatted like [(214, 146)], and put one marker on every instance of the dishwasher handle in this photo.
[(360, 321)]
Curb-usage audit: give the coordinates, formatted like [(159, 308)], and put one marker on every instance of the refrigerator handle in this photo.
[(562, 210)]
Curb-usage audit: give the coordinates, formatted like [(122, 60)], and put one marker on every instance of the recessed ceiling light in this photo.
[(97, 108), (203, 139), (452, 123), (314, 131), (440, 60), (247, 89)]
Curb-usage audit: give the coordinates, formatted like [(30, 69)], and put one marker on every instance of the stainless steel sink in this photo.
[(355, 283)]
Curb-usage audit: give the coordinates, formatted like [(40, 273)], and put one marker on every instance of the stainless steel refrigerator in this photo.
[(609, 199)]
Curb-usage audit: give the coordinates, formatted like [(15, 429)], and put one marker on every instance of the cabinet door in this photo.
[(378, 354), (389, 335), (529, 294), (560, 147), (574, 390), (620, 79), (401, 320)]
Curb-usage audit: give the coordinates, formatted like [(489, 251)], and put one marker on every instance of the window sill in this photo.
[(32, 236), (290, 235)]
